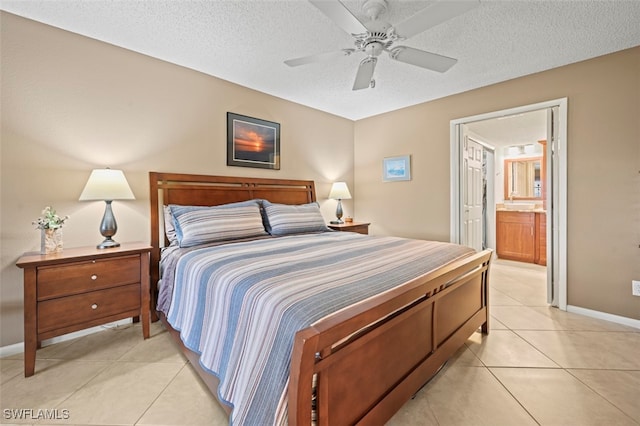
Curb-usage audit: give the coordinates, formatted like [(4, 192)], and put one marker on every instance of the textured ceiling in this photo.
[(516, 129), (246, 42)]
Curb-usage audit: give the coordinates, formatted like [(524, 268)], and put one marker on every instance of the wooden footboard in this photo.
[(370, 359)]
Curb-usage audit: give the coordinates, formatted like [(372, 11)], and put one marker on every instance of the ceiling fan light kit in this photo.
[(365, 73), (377, 36)]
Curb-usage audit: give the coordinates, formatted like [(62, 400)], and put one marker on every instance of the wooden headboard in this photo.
[(205, 190)]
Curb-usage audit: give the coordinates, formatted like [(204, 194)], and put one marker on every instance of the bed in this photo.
[(379, 317)]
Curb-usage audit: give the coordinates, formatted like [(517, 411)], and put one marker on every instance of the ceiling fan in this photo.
[(377, 36)]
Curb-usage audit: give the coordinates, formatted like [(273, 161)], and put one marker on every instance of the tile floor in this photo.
[(538, 366)]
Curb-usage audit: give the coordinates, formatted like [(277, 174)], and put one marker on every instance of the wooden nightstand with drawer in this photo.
[(359, 227), (80, 288)]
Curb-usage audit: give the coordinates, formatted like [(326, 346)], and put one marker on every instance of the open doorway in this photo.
[(503, 140)]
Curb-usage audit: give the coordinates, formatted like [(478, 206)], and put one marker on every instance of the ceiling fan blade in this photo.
[(321, 57), (422, 59), (340, 15), (432, 15), (365, 73)]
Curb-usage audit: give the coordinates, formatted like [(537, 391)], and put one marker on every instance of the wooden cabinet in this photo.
[(515, 236), (81, 288), (359, 227), (521, 236)]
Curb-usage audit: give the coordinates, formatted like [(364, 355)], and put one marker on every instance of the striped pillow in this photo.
[(169, 228), (284, 219), (179, 209), (201, 225)]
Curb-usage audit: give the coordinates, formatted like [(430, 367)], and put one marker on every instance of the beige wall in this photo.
[(603, 152), (71, 104)]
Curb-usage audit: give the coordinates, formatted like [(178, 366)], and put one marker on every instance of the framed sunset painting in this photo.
[(252, 142)]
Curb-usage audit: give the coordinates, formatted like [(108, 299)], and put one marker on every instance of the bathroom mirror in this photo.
[(523, 179)]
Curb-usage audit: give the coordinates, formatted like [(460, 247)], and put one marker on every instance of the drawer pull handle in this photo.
[(94, 306), (94, 277)]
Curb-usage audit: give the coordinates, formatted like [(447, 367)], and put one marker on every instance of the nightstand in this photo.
[(80, 288), (359, 227)]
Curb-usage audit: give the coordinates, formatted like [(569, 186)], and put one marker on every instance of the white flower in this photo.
[(49, 219)]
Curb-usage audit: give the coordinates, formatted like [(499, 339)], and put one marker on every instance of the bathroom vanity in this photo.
[(522, 235)]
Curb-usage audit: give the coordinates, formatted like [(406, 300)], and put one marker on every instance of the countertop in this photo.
[(502, 209)]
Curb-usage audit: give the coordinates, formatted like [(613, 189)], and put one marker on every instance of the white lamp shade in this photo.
[(107, 184), (339, 191)]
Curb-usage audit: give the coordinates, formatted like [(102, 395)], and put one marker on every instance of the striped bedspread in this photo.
[(239, 305)]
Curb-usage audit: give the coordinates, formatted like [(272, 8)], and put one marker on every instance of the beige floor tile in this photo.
[(618, 387), (525, 295), (534, 280), (555, 397), (571, 321), (120, 394), (43, 352), (107, 345), (10, 368), (498, 298), (519, 268), (502, 282), (158, 348), (504, 348), (465, 358), (494, 324), (523, 318), (588, 349), (185, 401), (467, 396), (416, 411), (522, 282), (53, 382)]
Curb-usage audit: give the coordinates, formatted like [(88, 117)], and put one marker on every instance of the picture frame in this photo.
[(396, 168), (252, 142)]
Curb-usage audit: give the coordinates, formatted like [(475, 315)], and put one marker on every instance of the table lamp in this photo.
[(107, 185), (339, 191)]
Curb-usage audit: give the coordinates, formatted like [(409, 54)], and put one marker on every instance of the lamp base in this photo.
[(108, 243), (108, 228), (338, 220)]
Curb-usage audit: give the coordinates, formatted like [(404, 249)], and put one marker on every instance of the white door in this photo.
[(473, 194), (553, 231), (557, 179)]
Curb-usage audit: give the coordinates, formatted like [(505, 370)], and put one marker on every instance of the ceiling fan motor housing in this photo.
[(377, 38), (374, 8)]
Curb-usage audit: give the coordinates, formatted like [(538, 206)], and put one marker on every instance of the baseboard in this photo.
[(630, 322), (18, 348)]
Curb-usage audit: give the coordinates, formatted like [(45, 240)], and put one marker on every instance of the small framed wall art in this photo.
[(252, 142), (396, 168)]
